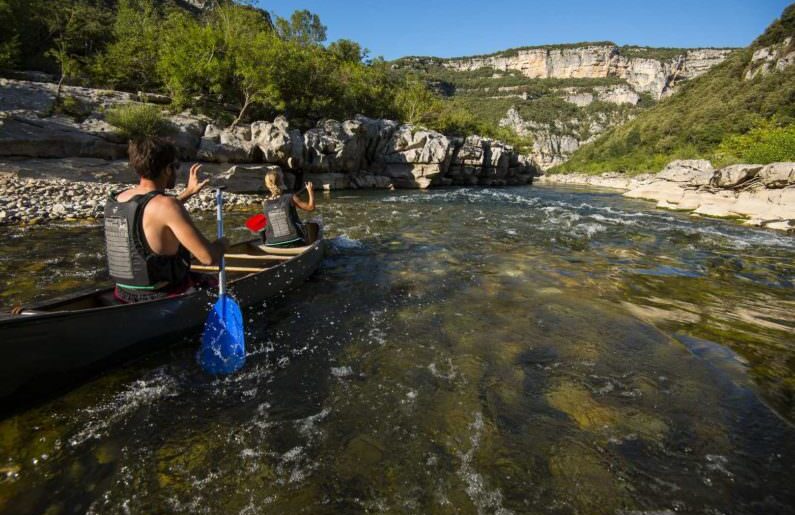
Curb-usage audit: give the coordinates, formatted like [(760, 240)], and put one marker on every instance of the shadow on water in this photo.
[(460, 351)]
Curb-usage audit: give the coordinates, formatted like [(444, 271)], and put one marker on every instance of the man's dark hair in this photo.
[(150, 156)]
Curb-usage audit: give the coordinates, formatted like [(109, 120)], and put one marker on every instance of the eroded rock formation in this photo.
[(771, 58), (761, 195), (358, 153), (655, 76)]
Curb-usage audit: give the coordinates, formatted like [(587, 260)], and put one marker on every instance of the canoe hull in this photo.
[(47, 350)]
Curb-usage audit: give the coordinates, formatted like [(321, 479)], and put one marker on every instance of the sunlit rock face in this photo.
[(618, 94), (655, 76), (196, 4), (553, 144), (771, 58), (758, 195)]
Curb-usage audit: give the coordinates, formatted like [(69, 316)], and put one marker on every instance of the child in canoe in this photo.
[(284, 228)]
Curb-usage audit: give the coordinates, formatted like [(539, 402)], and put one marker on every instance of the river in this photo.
[(520, 350)]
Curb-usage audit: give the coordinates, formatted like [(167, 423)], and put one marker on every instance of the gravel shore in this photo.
[(37, 201)]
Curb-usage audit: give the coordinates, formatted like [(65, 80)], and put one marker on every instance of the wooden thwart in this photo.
[(209, 268), (261, 258)]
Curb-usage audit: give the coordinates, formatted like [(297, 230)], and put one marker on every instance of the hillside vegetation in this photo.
[(724, 115), (229, 60)]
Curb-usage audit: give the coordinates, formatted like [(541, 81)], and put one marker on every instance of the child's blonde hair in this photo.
[(274, 182)]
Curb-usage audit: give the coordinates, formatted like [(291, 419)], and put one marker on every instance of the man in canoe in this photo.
[(149, 235), (284, 227)]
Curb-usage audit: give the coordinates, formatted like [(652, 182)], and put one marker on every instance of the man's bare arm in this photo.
[(178, 220)]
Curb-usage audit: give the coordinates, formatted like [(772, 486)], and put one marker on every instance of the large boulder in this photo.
[(59, 137), (778, 175), (409, 145), (246, 178), (693, 172), (334, 147), (410, 176), (187, 134), (231, 145), (83, 169), (366, 180), (471, 153), (278, 142), (734, 175), (416, 158), (378, 133), (489, 162)]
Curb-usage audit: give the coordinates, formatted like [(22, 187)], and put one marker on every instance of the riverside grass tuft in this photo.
[(139, 121)]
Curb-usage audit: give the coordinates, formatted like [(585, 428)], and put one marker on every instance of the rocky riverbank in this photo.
[(362, 152), (758, 195), (36, 201)]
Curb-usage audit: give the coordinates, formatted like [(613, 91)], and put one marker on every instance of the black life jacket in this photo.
[(284, 225), (131, 261)]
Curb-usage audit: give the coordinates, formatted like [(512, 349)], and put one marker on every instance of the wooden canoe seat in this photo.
[(287, 251)]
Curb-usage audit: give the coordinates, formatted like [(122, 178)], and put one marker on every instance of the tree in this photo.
[(191, 62), (415, 102), (230, 57), (9, 38), (303, 27), (257, 64), (77, 28), (130, 61), (24, 37), (347, 50)]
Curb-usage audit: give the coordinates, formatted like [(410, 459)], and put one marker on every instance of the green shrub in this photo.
[(705, 114), (137, 121), (764, 144), (778, 30)]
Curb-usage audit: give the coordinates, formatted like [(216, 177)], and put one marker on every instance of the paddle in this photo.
[(258, 222), (223, 348)]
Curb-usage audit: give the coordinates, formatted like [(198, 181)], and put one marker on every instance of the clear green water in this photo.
[(529, 350)]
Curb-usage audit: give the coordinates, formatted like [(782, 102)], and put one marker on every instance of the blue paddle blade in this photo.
[(223, 348)]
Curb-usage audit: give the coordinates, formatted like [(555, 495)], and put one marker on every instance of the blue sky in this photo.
[(448, 28)]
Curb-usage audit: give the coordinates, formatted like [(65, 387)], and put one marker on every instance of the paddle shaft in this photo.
[(219, 201)]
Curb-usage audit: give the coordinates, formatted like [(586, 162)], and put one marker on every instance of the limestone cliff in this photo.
[(776, 57), (564, 96), (645, 74)]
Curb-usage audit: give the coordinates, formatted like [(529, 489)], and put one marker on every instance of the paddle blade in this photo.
[(257, 223), (223, 348)]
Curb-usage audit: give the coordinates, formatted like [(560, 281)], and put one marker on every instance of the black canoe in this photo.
[(55, 343)]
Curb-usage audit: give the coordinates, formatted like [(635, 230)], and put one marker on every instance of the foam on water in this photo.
[(103, 417), (344, 242), (341, 372), (486, 500)]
